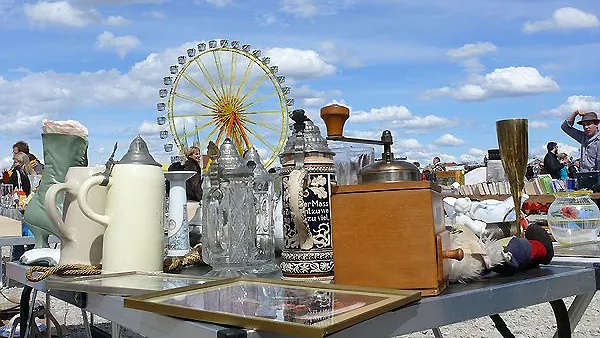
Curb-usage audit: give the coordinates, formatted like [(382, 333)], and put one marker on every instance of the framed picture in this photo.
[(124, 283), (290, 308)]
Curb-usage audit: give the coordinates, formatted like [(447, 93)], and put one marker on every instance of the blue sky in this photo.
[(437, 73)]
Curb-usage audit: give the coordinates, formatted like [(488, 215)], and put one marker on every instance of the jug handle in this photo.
[(297, 184), (82, 200), (52, 210)]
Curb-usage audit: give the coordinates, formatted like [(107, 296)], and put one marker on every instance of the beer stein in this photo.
[(228, 217), (134, 215), (307, 174)]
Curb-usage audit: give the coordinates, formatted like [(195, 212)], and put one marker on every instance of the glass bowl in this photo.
[(574, 217)]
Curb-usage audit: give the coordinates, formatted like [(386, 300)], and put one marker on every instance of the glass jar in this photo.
[(573, 217)]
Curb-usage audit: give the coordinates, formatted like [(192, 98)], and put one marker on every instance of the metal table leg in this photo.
[(86, 324), (48, 321), (577, 309), (30, 318), (116, 330)]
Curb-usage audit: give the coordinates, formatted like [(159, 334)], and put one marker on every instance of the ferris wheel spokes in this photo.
[(220, 72), (208, 114), (191, 99), (261, 139), (200, 88), (207, 75), (254, 112), (197, 129)]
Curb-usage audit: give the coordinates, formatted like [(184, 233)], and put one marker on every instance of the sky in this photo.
[(436, 73)]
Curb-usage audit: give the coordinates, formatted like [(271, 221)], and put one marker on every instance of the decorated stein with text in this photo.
[(307, 174)]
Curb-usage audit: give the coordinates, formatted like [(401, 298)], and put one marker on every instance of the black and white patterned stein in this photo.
[(307, 174)]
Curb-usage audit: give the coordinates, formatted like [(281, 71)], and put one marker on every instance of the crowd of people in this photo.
[(560, 165)]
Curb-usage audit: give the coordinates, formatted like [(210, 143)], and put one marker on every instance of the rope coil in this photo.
[(176, 264), (171, 264), (62, 270)]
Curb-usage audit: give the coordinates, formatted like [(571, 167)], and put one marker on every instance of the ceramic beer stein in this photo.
[(81, 237), (307, 174), (134, 215)]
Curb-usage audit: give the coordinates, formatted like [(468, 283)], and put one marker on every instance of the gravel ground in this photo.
[(535, 321)]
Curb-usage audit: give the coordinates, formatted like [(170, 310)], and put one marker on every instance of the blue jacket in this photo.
[(590, 147)]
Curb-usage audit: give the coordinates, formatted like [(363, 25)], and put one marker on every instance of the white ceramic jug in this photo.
[(134, 237), (81, 237)]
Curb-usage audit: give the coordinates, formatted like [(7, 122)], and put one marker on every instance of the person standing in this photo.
[(563, 158), (552, 165), (588, 138), (23, 147), (193, 162)]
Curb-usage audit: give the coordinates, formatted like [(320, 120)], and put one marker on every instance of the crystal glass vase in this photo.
[(573, 217), (228, 217)]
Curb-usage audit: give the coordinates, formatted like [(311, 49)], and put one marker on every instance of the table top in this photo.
[(493, 294)]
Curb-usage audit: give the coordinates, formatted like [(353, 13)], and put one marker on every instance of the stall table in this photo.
[(459, 303)]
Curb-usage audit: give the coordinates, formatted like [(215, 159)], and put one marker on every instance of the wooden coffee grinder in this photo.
[(388, 230)]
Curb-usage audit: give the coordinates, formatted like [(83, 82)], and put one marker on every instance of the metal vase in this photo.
[(178, 237), (513, 142)]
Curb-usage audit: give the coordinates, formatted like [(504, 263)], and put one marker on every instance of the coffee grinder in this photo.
[(388, 230)]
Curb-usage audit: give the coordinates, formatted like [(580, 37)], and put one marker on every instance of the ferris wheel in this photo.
[(224, 90)]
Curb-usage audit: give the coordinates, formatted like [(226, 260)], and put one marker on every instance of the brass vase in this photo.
[(513, 143)]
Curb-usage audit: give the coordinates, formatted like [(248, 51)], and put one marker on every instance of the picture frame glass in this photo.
[(277, 302), (126, 283), (149, 282)]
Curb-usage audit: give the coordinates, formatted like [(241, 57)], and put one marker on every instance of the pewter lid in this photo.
[(138, 153), (231, 162), (260, 173), (311, 135), (389, 171)]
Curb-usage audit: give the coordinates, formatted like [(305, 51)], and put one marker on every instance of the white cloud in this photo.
[(468, 55), (381, 114), (470, 50), (59, 13), (301, 8), (468, 158), (121, 44), (511, 81), (449, 140), (159, 15), (312, 98), (574, 103), (420, 124), (218, 3), (477, 152), (410, 143), (120, 2), (300, 64), (116, 20), (22, 123), (6, 162), (338, 54), (266, 19), (563, 19), (535, 124)]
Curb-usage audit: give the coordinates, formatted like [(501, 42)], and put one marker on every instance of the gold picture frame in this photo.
[(291, 308), (124, 283)]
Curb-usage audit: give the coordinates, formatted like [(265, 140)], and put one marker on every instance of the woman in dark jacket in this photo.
[(21, 168), (193, 162)]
